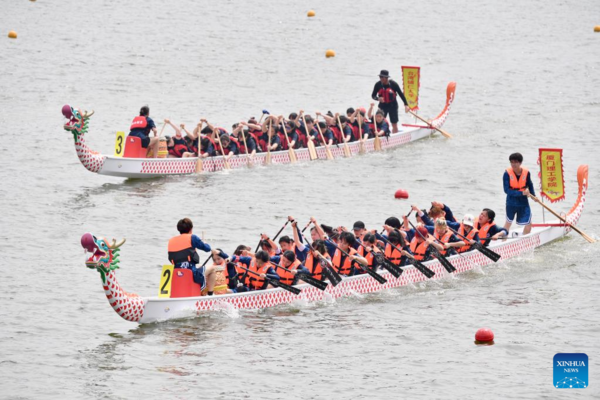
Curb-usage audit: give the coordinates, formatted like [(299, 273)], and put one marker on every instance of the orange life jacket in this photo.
[(444, 239), (242, 273), (370, 258), (256, 282), (314, 266), (469, 236), (347, 266), (139, 122), (519, 184), (392, 254), (286, 276), (417, 249), (181, 250), (483, 231)]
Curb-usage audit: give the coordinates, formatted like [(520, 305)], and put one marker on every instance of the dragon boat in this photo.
[(133, 165), (105, 259)]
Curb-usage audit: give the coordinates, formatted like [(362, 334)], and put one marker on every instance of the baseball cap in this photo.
[(469, 219)]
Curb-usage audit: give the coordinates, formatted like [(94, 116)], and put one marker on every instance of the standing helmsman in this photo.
[(385, 92), (518, 186)]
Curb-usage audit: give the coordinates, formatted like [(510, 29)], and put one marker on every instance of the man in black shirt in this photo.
[(385, 92)]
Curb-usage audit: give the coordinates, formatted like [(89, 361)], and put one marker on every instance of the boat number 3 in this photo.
[(164, 290), (119, 144)]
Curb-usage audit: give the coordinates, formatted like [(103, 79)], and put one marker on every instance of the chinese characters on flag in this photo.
[(411, 77), (551, 174)]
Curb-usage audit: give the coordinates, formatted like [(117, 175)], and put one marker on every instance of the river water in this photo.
[(528, 76)]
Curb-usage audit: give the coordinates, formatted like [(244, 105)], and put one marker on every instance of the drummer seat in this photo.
[(133, 148), (183, 284)]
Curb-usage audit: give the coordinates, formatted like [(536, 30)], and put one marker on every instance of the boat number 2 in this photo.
[(119, 144), (164, 290)]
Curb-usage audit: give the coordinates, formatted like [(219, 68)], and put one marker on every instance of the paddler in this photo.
[(471, 235), (177, 145), (226, 279), (344, 264), (487, 228), (518, 186), (314, 260), (141, 127), (386, 91), (383, 127), (447, 242), (182, 254), (420, 240), (289, 261), (259, 264)]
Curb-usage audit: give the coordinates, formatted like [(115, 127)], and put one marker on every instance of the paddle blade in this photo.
[(289, 288), (312, 281), (422, 268), (347, 152), (312, 152), (395, 270), (375, 276), (492, 255), (443, 260), (377, 143), (332, 275)]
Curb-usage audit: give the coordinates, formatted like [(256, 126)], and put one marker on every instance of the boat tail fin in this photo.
[(582, 179), (441, 118)]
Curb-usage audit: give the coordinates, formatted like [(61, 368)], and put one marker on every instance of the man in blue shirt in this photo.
[(518, 186), (182, 254)]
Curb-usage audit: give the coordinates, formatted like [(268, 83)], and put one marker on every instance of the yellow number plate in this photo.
[(164, 290), (120, 144)]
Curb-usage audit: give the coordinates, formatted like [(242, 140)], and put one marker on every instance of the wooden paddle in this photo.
[(305, 277), (312, 152), (273, 282), (199, 166), (246, 146), (227, 166), (327, 149), (291, 151), (361, 142), (449, 136), (347, 152), (585, 236), (377, 143), (268, 157)]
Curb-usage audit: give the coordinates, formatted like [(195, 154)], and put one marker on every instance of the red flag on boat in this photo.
[(551, 174)]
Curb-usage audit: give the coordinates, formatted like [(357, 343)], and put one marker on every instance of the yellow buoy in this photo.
[(12, 34), (330, 53), (311, 13), (597, 28)]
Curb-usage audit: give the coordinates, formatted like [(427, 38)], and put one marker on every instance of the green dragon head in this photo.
[(77, 122), (105, 256)]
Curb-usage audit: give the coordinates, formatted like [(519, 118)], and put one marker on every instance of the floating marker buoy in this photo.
[(484, 336), (401, 194), (329, 53), (597, 28), (12, 34), (310, 13)]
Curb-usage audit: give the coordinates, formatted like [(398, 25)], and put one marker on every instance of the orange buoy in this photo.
[(12, 34), (401, 194), (329, 53), (484, 336), (597, 28), (311, 13)]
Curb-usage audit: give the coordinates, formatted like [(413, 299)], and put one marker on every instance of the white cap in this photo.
[(469, 219)]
